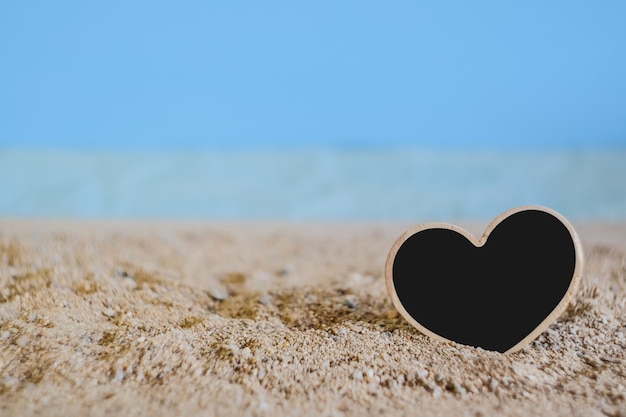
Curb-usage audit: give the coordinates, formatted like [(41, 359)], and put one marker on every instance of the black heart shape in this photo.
[(498, 293)]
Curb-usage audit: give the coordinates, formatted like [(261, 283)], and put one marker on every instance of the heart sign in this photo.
[(497, 293)]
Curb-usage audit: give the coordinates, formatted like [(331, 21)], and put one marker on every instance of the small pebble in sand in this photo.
[(350, 302), (357, 375), (109, 312), (121, 272), (9, 381), (219, 293), (456, 387), (119, 376), (22, 341), (493, 384), (265, 299), (129, 282)]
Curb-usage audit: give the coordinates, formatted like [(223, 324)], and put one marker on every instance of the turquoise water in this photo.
[(310, 185)]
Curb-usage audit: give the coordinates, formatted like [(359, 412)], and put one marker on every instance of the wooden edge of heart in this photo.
[(558, 310)]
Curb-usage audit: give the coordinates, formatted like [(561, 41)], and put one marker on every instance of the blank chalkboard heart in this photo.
[(498, 293)]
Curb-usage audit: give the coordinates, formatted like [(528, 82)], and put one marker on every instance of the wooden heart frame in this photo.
[(549, 319)]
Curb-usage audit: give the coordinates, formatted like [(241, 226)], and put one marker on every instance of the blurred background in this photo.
[(348, 110)]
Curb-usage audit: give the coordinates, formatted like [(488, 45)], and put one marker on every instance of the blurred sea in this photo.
[(310, 185)]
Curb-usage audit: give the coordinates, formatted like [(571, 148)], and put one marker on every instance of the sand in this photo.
[(140, 318)]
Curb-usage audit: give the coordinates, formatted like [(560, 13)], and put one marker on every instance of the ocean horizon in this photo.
[(316, 184)]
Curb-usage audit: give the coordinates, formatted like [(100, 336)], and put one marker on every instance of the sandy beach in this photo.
[(139, 318)]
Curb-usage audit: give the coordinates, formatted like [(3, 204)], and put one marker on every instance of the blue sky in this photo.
[(275, 74)]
